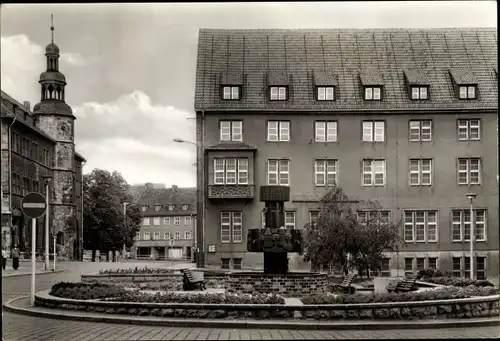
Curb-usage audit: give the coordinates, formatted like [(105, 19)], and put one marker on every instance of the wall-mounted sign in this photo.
[(211, 248)]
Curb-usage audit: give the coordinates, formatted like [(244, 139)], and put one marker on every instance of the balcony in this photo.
[(231, 191)]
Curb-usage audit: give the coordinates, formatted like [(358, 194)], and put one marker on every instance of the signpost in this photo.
[(33, 206)]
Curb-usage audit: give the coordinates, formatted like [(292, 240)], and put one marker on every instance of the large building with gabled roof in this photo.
[(407, 117)]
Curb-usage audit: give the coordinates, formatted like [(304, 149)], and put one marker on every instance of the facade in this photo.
[(407, 117), (168, 225), (38, 146)]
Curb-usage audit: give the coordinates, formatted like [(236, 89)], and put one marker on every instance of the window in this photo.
[(457, 266), (373, 131), (15, 142), (313, 216), (187, 235), (386, 270), (177, 235), (325, 172), (231, 225), (408, 266), (481, 268), (420, 226), (278, 172), (420, 172), (46, 159), (147, 236), (373, 93), (432, 263), (187, 220), (157, 208), (185, 207), (277, 93), (166, 235), (237, 263), (419, 92), (467, 92), (36, 186), (171, 207), (231, 92), (466, 267), (145, 221), (421, 131), (156, 221), (156, 235), (231, 171), (177, 220), (16, 184), (325, 93), (278, 131), (325, 131), (376, 217), (137, 236), (231, 131), (469, 171), (290, 219), (225, 263), (420, 264), (166, 221), (461, 225), (34, 151), (373, 172), (26, 185), (468, 130), (144, 208)]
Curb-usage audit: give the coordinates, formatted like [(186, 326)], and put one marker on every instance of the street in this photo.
[(25, 328)]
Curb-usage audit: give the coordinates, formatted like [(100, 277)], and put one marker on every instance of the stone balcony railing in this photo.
[(231, 191)]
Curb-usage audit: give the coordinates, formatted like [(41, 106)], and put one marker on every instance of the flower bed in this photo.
[(84, 291), (457, 282)]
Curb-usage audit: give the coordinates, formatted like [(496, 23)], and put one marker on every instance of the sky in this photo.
[(130, 68)]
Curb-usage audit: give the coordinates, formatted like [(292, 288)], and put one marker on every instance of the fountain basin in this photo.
[(292, 284)]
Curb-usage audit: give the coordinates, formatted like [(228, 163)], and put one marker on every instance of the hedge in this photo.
[(85, 291)]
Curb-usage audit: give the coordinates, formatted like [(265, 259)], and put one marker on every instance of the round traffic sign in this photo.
[(34, 205)]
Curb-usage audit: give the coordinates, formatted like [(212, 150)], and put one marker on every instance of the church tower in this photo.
[(55, 118)]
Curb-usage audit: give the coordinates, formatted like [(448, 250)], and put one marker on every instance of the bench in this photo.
[(345, 286), (406, 285), (191, 279)]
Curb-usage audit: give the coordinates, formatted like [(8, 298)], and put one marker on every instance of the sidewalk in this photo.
[(25, 269)]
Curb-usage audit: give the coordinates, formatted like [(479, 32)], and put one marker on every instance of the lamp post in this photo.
[(47, 180), (124, 224), (471, 197), (200, 217)]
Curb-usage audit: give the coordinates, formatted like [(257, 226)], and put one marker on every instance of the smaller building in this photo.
[(168, 224)]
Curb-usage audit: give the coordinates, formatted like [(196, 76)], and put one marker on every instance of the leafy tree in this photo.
[(338, 239), (105, 228)]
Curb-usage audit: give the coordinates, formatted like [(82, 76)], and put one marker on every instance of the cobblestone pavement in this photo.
[(26, 328)]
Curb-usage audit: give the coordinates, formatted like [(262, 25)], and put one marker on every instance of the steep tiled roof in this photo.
[(257, 54), (463, 76), (416, 77), (152, 197), (324, 78)]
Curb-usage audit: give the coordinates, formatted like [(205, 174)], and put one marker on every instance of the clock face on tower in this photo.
[(65, 127)]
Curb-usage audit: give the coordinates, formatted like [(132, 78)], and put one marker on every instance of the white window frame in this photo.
[(419, 92), (278, 131), (362, 216), (468, 171), (156, 235), (313, 216), (230, 92), (290, 219), (467, 92), (147, 236), (187, 220), (328, 169), (466, 127), (166, 235), (280, 172), (373, 164), (231, 224), (417, 128), (420, 171), (239, 172), (411, 225), (146, 221), (278, 93), (187, 235), (463, 225), (157, 208), (171, 207), (137, 236), (144, 208), (177, 221), (156, 221), (372, 93), (231, 130), (325, 93), (177, 235), (166, 221), (373, 131), (325, 131)]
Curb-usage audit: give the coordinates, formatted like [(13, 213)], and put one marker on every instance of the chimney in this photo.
[(27, 105), (174, 188)]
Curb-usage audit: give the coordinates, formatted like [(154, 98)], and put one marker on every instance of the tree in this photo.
[(104, 223), (337, 238)]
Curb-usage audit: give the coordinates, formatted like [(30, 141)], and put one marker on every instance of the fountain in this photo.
[(275, 241)]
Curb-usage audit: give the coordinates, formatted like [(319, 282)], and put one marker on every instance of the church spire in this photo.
[(52, 26)]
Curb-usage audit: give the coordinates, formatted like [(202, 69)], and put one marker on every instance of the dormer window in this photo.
[(157, 208), (277, 93), (325, 82), (144, 208), (171, 207), (419, 92), (231, 92), (185, 207), (373, 93), (467, 92), (325, 93)]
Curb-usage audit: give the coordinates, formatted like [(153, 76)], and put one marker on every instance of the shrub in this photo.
[(458, 282), (136, 270), (85, 291), (202, 298)]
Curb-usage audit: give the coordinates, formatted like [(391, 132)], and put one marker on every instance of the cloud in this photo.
[(135, 137), (76, 59)]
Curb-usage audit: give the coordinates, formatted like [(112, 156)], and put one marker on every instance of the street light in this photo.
[(200, 217), (471, 197), (124, 224), (47, 180)]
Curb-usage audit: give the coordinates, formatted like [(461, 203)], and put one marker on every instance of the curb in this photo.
[(29, 273), (254, 324)]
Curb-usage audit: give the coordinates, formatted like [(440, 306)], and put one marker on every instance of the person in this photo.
[(5, 255), (15, 258)]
